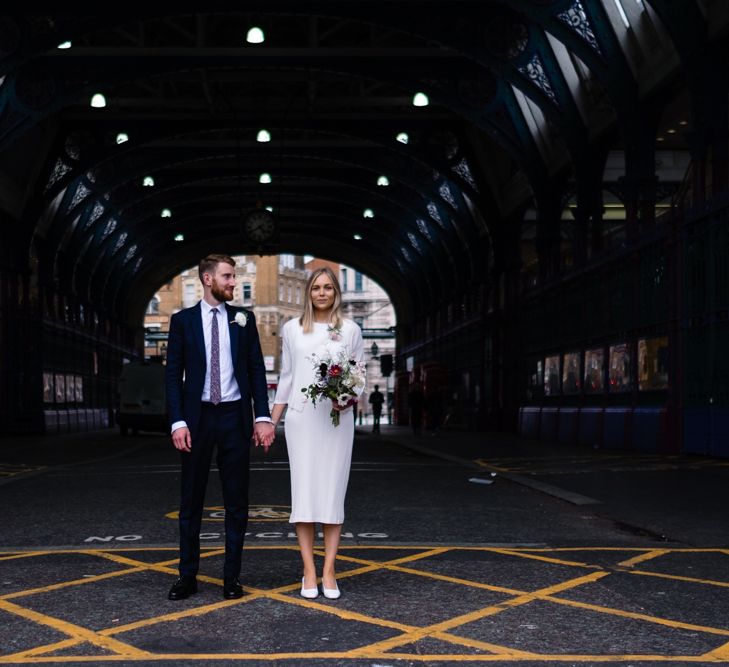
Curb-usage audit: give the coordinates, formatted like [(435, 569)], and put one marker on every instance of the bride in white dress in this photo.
[(320, 453)]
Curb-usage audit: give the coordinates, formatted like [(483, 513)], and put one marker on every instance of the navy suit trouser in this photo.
[(220, 426)]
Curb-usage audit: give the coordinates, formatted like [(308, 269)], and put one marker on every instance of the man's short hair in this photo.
[(210, 263)]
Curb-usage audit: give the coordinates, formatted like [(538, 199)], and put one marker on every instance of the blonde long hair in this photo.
[(307, 317)]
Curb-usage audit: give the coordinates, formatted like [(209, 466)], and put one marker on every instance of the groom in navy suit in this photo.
[(214, 370)]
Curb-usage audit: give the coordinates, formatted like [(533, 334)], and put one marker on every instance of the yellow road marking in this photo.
[(451, 623), (676, 577), (26, 554), (484, 646), (642, 558), (73, 582), (424, 658), (720, 653), (636, 616), (75, 631), (176, 616), (46, 648), (434, 575), (376, 650), (545, 559), (559, 657)]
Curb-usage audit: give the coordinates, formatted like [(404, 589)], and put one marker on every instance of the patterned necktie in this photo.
[(214, 360)]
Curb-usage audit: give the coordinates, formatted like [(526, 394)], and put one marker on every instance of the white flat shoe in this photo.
[(309, 593), (331, 593)]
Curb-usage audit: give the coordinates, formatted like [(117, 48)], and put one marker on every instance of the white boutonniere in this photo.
[(241, 319)]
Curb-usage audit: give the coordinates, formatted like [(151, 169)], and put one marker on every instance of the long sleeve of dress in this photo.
[(356, 346), (283, 392)]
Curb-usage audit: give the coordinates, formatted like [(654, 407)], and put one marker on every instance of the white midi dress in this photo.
[(320, 454)]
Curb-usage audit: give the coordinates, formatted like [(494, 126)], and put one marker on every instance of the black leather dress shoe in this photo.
[(183, 588), (232, 589)]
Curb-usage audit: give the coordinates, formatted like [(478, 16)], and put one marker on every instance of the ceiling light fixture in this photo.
[(122, 138), (179, 237), (420, 100), (64, 45), (98, 101), (166, 213), (357, 237), (383, 180), (264, 178), (403, 138), (148, 182), (255, 36), (368, 213), (264, 136)]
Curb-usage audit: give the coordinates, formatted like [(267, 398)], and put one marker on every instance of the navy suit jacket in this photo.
[(187, 363)]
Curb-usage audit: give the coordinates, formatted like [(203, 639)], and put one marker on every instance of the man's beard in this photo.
[(220, 293)]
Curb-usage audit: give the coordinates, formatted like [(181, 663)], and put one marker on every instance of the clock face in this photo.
[(259, 225)]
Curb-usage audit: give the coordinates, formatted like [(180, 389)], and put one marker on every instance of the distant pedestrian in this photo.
[(376, 400), (416, 403), (434, 411)]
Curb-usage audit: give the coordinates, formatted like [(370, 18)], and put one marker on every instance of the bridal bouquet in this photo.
[(338, 378)]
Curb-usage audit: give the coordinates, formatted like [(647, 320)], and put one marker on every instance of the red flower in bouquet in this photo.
[(338, 380)]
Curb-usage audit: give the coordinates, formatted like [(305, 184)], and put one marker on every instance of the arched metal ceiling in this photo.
[(333, 84)]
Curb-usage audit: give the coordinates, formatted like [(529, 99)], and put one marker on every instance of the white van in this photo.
[(141, 389)]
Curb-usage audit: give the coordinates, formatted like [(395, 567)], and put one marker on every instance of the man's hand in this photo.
[(181, 439), (264, 434)]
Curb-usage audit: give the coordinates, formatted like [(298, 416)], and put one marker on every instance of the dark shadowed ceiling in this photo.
[(522, 95)]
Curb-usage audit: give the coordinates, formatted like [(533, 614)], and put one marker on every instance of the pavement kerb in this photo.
[(542, 487)]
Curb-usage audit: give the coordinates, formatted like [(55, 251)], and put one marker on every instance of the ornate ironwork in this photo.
[(95, 214), (423, 227), (81, 193), (576, 18), (433, 210), (534, 70), (415, 243), (60, 169), (464, 171), (110, 227), (120, 242), (447, 195)]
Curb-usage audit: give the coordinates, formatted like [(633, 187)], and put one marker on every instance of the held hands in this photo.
[(264, 433)]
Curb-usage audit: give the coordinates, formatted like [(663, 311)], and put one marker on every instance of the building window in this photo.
[(357, 281), (281, 291), (298, 295), (153, 306), (246, 292), (359, 321), (189, 295), (290, 299), (286, 261), (345, 286)]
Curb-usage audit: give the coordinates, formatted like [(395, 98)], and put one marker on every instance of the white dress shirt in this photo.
[(229, 390), (228, 386)]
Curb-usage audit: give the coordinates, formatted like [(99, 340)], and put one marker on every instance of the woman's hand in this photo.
[(342, 408)]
